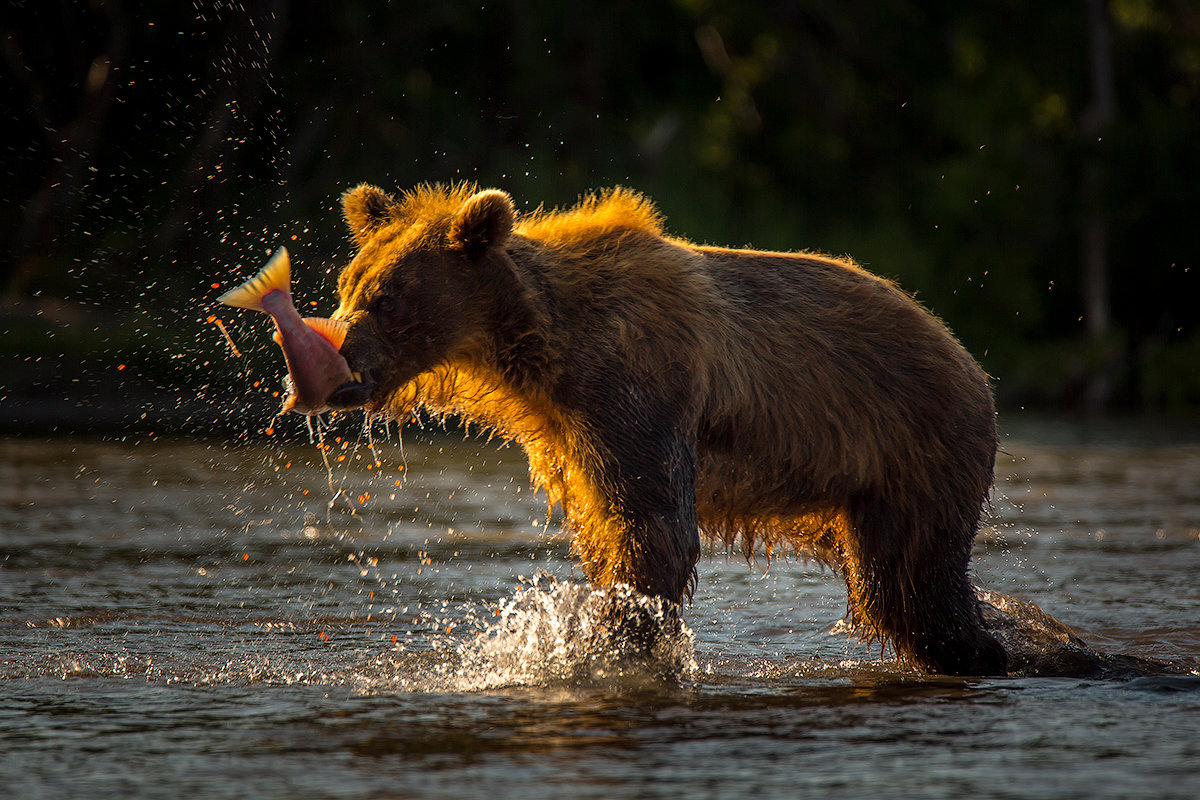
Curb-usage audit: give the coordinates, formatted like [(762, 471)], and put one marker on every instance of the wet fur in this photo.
[(776, 400)]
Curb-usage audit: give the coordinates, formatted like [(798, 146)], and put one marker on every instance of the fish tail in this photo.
[(275, 276)]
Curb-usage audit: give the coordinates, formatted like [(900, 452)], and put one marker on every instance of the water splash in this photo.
[(553, 634), (578, 634), (1040, 645), (368, 425)]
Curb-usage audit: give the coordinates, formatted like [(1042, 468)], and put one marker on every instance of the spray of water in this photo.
[(580, 635), (551, 634)]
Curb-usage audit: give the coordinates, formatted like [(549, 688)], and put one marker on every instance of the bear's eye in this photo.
[(390, 313)]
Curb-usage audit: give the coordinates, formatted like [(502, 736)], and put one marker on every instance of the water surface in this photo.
[(183, 617)]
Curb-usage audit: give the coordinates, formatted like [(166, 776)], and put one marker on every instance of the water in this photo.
[(188, 618)]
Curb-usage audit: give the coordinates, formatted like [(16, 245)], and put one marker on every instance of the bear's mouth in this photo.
[(354, 393)]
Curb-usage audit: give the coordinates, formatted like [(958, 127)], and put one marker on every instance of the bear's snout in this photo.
[(353, 394)]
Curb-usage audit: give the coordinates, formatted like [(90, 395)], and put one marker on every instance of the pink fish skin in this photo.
[(310, 346)]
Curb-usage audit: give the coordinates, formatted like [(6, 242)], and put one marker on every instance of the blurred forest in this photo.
[(1031, 171)]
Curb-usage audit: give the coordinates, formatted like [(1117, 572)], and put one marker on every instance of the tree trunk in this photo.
[(1097, 118)]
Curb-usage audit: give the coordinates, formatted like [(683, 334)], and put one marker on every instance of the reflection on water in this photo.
[(183, 616)]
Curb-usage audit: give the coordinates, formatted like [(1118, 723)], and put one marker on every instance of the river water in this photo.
[(190, 618)]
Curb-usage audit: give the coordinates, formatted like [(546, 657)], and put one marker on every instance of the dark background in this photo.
[(1030, 170)]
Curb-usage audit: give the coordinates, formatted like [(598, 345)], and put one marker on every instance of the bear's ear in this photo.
[(484, 222), (365, 207)]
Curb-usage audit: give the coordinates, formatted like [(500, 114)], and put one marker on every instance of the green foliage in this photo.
[(1170, 378), (946, 145)]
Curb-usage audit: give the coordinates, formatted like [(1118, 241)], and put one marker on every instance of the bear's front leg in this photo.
[(632, 507)]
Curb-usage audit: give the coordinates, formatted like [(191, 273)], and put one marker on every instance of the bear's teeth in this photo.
[(357, 376)]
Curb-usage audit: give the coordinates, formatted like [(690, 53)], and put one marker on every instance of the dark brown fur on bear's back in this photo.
[(661, 388)]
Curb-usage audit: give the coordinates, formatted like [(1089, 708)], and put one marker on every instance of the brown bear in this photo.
[(662, 388)]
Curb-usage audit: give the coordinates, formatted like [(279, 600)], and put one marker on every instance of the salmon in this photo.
[(310, 344)]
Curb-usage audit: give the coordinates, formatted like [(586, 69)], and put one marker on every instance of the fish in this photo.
[(310, 344)]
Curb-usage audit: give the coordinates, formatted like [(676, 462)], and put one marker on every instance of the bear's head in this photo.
[(422, 286)]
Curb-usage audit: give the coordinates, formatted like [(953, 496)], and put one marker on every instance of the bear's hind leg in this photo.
[(907, 581)]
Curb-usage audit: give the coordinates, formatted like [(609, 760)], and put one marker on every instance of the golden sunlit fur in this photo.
[(659, 388)]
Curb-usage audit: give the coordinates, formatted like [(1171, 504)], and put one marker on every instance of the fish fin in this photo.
[(275, 276), (334, 330)]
